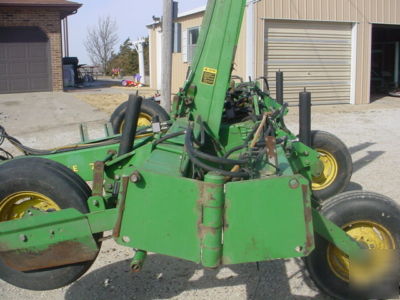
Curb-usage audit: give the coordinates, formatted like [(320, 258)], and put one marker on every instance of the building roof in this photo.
[(66, 7), (181, 15), (192, 11)]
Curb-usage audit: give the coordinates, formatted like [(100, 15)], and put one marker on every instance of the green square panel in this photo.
[(267, 219), (162, 214)]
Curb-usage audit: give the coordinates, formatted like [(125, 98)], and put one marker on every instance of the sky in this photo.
[(131, 16)]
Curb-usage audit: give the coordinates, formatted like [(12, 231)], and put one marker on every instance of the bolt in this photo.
[(294, 183), (95, 203), (299, 249), (109, 186), (52, 232), (135, 177), (306, 153), (23, 237), (117, 177), (30, 213), (126, 239)]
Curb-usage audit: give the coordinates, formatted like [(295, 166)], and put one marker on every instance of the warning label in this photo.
[(209, 76)]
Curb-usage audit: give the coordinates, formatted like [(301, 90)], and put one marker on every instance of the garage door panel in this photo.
[(3, 69), (3, 53), (18, 68), (40, 82), (18, 85), (24, 65), (38, 68), (16, 52), (3, 84), (311, 54), (37, 51)]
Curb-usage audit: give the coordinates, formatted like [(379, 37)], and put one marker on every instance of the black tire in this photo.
[(350, 208), (333, 146), (65, 188), (149, 107)]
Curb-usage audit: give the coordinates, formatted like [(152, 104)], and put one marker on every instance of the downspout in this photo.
[(250, 40)]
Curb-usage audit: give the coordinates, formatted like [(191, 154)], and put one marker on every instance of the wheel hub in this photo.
[(371, 236), (329, 173), (15, 206)]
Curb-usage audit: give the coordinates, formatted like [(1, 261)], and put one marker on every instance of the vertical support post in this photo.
[(250, 42), (166, 55), (397, 65), (279, 87), (131, 120), (305, 118), (66, 38), (211, 227), (139, 47)]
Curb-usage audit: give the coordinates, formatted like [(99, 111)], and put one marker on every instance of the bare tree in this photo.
[(100, 41)]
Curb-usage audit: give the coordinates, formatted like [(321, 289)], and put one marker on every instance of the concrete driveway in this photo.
[(372, 132), (45, 120)]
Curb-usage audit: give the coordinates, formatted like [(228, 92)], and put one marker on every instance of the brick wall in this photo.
[(49, 21)]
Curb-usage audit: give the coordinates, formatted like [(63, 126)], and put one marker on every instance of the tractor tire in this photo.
[(53, 187), (372, 220), (149, 109), (338, 165)]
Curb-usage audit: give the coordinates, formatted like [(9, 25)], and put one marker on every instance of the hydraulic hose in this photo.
[(169, 136), (191, 153)]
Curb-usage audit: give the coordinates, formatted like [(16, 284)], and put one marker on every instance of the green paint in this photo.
[(265, 219)]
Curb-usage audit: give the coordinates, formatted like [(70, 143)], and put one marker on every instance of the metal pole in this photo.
[(397, 65), (305, 118), (279, 87), (166, 55), (131, 120), (66, 37), (63, 38)]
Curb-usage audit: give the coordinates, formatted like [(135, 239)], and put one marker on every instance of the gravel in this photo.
[(44, 120)]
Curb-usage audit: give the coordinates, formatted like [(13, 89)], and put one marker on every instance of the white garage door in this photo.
[(315, 55)]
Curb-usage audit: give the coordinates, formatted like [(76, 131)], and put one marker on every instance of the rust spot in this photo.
[(271, 150), (63, 253), (308, 219), (98, 179), (121, 207), (203, 230)]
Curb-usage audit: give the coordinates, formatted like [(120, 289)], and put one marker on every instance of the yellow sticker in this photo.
[(209, 76)]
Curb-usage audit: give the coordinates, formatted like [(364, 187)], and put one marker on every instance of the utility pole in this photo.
[(166, 55)]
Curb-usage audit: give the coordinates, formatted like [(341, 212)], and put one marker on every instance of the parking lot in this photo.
[(45, 120)]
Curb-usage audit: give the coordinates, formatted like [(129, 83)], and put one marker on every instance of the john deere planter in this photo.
[(220, 181)]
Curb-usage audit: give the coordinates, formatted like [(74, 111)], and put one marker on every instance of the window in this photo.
[(192, 42), (190, 39)]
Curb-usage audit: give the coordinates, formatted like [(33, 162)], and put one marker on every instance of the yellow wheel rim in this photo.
[(372, 236), (144, 120), (329, 173), (16, 205)]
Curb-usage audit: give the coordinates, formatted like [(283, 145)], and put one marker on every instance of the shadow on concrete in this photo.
[(366, 160), (354, 186), (165, 277), (97, 84), (369, 157), (360, 147)]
